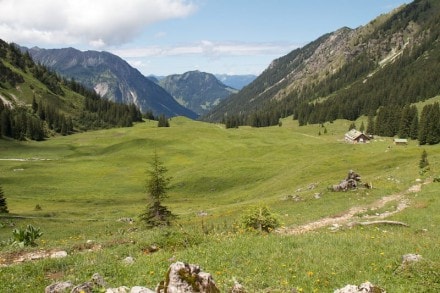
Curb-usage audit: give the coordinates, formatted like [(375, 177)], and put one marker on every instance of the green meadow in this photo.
[(85, 182)]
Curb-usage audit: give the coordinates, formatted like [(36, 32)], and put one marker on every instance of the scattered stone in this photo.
[(202, 214), (312, 186), (139, 289), (317, 195), (59, 287), (150, 249), (334, 227), (366, 287), (181, 278), (186, 278), (410, 258), (126, 220), (128, 260), (121, 289), (295, 198), (86, 287), (237, 288), (58, 254), (98, 280)]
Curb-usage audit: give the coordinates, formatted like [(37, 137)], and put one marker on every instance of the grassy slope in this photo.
[(87, 181)]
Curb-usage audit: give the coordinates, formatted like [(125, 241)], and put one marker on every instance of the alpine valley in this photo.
[(320, 175)]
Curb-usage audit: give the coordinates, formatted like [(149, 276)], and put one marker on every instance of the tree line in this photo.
[(404, 122)]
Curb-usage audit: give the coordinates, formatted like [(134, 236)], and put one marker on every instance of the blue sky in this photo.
[(163, 37)]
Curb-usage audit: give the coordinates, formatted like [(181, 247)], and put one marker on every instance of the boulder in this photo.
[(58, 254), (129, 260), (410, 258), (366, 287), (187, 278), (60, 287)]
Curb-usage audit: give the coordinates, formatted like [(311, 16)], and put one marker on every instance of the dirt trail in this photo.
[(345, 218)]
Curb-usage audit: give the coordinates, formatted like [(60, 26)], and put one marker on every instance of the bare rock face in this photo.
[(187, 278), (366, 287)]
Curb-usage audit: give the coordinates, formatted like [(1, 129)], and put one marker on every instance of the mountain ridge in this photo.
[(337, 75), (198, 91), (111, 77)]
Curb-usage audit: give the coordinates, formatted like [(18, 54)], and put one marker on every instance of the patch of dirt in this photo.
[(347, 216), (19, 257)]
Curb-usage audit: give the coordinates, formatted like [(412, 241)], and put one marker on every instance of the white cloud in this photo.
[(71, 22), (208, 49)]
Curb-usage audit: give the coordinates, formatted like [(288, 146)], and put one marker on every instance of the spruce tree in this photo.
[(370, 125), (163, 121), (3, 204), (423, 125), (157, 185), (405, 122), (414, 127), (362, 128), (352, 126), (433, 133)]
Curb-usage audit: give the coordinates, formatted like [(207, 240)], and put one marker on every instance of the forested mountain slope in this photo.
[(392, 61), (111, 77), (36, 103)]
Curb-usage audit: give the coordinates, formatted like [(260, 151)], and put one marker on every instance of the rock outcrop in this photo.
[(352, 181), (186, 278), (180, 278)]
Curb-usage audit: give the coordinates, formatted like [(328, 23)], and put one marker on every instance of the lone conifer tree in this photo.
[(3, 204), (157, 185)]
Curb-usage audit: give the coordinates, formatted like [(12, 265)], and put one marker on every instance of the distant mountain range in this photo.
[(198, 91), (111, 77), (236, 81)]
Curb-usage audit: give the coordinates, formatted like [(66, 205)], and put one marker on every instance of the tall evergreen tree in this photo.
[(3, 204), (433, 134), (362, 128), (405, 122), (157, 185), (423, 125), (352, 126), (414, 127), (163, 121), (370, 124)]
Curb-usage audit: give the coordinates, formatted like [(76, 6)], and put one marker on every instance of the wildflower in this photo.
[(310, 274)]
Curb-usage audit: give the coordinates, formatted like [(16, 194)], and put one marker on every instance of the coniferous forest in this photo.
[(43, 117)]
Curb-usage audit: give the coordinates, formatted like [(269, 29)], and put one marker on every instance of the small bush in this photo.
[(26, 237), (260, 218)]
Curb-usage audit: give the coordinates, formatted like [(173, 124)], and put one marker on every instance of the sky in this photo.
[(162, 37)]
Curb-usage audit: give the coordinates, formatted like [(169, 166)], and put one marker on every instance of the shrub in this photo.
[(260, 218), (26, 237)]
